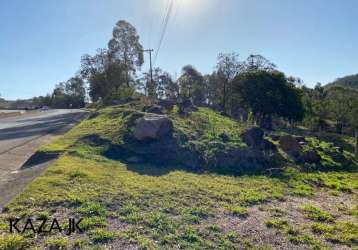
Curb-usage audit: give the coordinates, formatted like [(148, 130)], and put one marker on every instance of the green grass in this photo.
[(58, 243), (317, 214), (207, 125), (102, 236), (167, 206), (13, 242), (341, 232), (240, 211)]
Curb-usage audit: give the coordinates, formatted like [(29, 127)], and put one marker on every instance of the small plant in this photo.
[(92, 209), (190, 235), (276, 223), (102, 236), (320, 228), (57, 243), (93, 222), (317, 214), (13, 242), (240, 211)]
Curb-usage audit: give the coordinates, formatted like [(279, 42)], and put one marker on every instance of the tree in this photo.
[(76, 92), (69, 94), (341, 103), (353, 120), (266, 94), (258, 63), (106, 77), (161, 87), (126, 48), (228, 67), (192, 85)]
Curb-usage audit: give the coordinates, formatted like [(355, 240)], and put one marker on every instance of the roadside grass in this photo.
[(164, 207)]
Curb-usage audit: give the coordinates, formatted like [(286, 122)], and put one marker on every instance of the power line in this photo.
[(165, 26)]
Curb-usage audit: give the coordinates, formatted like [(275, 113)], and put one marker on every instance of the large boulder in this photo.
[(311, 157), (167, 104), (253, 137), (290, 145), (152, 127)]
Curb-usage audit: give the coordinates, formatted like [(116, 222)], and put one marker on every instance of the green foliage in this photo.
[(269, 93), (350, 81)]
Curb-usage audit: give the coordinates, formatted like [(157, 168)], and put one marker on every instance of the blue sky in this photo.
[(41, 41)]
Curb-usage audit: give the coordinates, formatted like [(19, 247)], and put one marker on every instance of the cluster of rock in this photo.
[(293, 146)]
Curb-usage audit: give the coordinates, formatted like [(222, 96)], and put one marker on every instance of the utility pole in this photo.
[(150, 60)]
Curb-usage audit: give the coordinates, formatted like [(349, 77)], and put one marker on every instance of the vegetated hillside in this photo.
[(347, 81), (186, 188)]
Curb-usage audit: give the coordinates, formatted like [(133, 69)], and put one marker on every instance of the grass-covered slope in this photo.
[(172, 206)]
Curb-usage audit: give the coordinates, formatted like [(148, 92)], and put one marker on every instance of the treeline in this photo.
[(252, 89), (69, 94), (335, 105)]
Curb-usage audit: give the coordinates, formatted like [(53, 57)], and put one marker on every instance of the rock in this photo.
[(224, 137), (300, 139), (290, 145), (152, 126), (269, 146), (253, 137), (134, 159), (155, 109), (275, 137), (167, 104), (186, 107), (311, 157)]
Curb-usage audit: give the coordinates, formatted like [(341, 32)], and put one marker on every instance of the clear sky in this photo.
[(41, 41)]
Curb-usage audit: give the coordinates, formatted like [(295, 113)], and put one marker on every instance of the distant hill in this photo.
[(347, 81)]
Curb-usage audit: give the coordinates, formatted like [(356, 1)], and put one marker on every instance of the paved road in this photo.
[(20, 136)]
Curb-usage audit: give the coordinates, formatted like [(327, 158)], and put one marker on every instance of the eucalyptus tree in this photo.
[(125, 47)]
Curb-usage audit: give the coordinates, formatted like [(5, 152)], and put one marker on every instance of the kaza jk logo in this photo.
[(40, 226)]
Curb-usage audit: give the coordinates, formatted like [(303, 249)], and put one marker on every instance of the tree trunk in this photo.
[(339, 128), (356, 149)]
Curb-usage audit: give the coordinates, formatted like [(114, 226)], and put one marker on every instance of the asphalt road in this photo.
[(20, 136)]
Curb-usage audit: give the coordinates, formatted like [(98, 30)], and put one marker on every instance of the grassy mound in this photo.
[(168, 207)]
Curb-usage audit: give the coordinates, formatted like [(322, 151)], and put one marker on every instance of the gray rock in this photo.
[(134, 159), (269, 146), (275, 137), (311, 157), (224, 137), (155, 109), (290, 145), (186, 107), (253, 137), (167, 104), (152, 127)]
